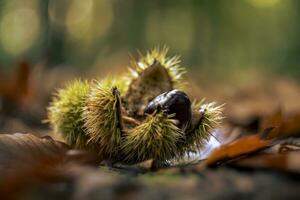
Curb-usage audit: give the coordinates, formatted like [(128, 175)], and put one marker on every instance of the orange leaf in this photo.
[(240, 147)]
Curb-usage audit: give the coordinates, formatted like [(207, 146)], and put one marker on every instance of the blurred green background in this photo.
[(211, 35)]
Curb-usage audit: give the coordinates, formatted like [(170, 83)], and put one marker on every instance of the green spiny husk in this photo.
[(102, 114), (210, 118), (89, 115), (155, 138), (115, 81), (65, 112), (171, 64), (152, 75)]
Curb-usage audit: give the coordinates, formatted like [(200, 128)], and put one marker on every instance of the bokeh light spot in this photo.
[(263, 3), (89, 20), (19, 29)]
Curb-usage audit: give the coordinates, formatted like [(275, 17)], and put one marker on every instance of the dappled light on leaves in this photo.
[(88, 20)]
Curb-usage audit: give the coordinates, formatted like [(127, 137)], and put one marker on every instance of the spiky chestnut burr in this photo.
[(65, 112), (103, 120), (205, 118), (112, 121), (196, 121), (150, 76), (155, 138)]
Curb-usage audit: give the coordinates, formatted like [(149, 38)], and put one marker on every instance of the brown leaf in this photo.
[(243, 146), (291, 125), (27, 161), (282, 127), (285, 146), (272, 122), (82, 157), (24, 158), (146, 165), (17, 148), (286, 162)]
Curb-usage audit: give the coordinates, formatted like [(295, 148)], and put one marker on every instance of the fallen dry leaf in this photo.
[(286, 145), (27, 160), (22, 159), (281, 126), (243, 146), (289, 162), (291, 125), (19, 149), (272, 122)]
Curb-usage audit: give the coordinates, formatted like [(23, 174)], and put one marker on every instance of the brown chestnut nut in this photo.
[(173, 102)]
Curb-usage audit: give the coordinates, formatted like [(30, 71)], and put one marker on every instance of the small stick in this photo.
[(130, 120)]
